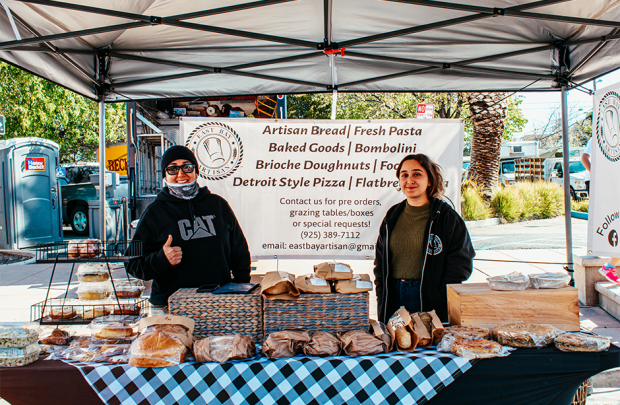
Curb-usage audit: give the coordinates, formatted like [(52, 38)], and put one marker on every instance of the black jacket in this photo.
[(210, 238), (448, 259)]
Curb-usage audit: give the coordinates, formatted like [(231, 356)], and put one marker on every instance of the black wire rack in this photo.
[(88, 251), (80, 312)]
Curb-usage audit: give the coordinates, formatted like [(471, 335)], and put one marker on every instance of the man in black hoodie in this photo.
[(190, 236)]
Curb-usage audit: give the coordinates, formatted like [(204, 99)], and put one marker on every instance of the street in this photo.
[(537, 234)]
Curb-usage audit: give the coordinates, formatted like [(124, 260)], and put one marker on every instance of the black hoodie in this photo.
[(210, 238), (449, 257)]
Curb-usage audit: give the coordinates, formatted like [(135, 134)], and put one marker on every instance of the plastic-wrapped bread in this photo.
[(525, 335), (224, 348), (478, 349), (514, 281), (549, 280), (323, 344), (581, 342), (157, 348), (453, 333)]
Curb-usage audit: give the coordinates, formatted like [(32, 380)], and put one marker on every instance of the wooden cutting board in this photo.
[(477, 305)]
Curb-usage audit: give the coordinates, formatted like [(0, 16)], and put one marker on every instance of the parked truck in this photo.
[(554, 172), (509, 152)]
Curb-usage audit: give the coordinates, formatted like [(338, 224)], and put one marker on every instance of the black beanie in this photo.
[(177, 152)]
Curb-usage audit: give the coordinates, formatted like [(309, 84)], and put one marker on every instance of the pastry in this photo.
[(467, 332), (57, 337), (476, 349), (157, 348), (126, 310), (93, 295), (524, 335), (92, 272), (581, 342), (89, 248), (62, 312), (115, 330), (95, 313)]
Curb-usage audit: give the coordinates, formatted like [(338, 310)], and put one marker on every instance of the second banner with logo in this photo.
[(316, 189)]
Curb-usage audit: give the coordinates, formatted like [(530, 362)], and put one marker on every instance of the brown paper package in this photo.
[(286, 343), (323, 344), (224, 348), (313, 285), (358, 284), (279, 285), (333, 271)]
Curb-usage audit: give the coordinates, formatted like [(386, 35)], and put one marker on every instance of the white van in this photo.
[(554, 172)]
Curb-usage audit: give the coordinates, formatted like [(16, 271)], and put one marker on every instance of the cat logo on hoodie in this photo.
[(202, 228), (218, 150)]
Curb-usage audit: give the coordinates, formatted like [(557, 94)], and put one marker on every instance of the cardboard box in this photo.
[(478, 305)]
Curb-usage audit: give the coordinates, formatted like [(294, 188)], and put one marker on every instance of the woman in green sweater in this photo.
[(423, 244)]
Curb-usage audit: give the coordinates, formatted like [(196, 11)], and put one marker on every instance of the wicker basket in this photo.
[(317, 312), (220, 314), (582, 393)]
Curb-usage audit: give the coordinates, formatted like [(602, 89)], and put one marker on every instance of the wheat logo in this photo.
[(608, 126), (217, 148)]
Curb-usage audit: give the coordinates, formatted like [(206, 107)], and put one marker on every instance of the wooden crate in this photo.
[(220, 314), (317, 312), (529, 169), (478, 305)]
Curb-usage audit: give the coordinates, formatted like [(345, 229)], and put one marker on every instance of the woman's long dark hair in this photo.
[(433, 170)]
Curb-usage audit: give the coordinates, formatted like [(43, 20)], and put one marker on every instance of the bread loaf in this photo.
[(581, 342), (476, 349), (157, 348), (403, 337)]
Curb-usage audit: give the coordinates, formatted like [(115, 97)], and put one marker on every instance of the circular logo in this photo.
[(608, 126), (217, 148), (613, 238), (434, 245)]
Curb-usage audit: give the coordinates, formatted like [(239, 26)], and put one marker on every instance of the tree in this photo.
[(35, 107), (488, 116)]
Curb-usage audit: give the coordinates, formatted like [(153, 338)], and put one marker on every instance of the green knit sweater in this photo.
[(406, 242)]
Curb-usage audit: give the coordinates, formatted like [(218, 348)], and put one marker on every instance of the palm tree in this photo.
[(488, 114)]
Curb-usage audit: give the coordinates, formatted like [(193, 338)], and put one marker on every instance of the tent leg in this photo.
[(102, 185), (567, 198)]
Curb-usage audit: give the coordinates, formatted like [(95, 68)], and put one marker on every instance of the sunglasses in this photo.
[(173, 170)]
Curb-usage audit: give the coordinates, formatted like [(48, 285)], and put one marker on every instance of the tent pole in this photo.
[(102, 185), (567, 198)]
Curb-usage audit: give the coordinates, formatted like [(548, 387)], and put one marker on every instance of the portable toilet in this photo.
[(30, 210)]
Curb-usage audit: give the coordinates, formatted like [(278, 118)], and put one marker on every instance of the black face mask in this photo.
[(185, 191)]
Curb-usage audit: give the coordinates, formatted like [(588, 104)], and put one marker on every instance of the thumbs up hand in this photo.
[(173, 254)]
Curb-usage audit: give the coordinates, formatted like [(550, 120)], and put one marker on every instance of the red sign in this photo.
[(35, 163), (425, 111)]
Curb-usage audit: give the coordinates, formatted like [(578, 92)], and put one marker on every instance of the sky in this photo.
[(538, 106)]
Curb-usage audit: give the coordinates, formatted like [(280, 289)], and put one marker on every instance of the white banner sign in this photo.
[(604, 211), (316, 189)]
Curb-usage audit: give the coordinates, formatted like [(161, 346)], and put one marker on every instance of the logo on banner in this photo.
[(35, 164), (613, 238), (217, 148), (434, 245), (608, 126)]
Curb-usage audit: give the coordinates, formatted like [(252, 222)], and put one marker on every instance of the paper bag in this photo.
[(323, 344), (279, 285), (286, 343), (399, 325), (380, 331), (333, 271), (358, 342), (358, 284), (312, 284)]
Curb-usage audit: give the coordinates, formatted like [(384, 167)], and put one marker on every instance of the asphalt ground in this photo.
[(537, 234)]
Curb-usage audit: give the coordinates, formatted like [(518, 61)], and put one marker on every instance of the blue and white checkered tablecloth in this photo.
[(407, 378)]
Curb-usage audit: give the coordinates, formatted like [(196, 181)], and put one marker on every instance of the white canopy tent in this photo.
[(141, 49)]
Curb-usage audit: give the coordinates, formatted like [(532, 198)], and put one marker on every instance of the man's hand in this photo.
[(173, 254)]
